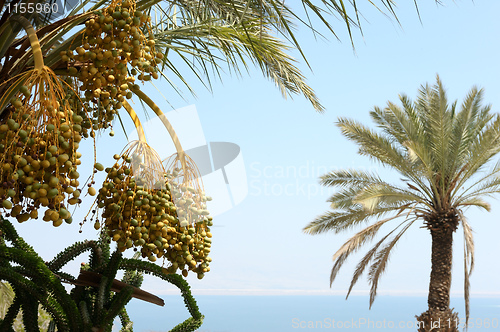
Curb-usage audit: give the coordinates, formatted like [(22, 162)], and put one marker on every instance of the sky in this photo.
[(258, 245)]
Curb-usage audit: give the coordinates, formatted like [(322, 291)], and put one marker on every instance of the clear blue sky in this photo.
[(286, 145)]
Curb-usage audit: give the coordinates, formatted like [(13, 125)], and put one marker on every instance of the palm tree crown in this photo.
[(441, 151)]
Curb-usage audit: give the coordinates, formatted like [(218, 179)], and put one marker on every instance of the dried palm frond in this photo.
[(468, 262), (381, 260), (363, 263), (354, 244)]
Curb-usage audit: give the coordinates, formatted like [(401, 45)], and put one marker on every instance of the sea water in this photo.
[(306, 313)]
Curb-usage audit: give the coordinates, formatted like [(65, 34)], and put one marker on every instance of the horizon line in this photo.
[(277, 292)]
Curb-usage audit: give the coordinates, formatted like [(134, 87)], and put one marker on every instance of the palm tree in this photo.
[(441, 152), (207, 36)]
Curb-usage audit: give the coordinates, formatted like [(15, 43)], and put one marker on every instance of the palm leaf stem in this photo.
[(34, 42), (168, 126), (135, 120)]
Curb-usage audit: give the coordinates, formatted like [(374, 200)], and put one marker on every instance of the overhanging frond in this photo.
[(216, 41)]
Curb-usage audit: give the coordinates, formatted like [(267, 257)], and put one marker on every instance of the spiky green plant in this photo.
[(85, 307), (6, 298), (441, 151)]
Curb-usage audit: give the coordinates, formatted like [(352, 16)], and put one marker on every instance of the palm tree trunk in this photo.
[(439, 317), (440, 284)]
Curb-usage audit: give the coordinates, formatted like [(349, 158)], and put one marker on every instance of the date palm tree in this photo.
[(441, 151), (202, 37)]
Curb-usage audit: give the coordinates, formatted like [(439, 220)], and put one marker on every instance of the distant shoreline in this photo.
[(287, 292)]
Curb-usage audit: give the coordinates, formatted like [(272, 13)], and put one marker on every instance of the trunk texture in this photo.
[(440, 284), (439, 317)]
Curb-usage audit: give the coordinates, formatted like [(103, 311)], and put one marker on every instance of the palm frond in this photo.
[(338, 221), (464, 125), (254, 20), (344, 199), (386, 151), (484, 186), (372, 196), (373, 145), (468, 262), (433, 105), (363, 263), (349, 177), (399, 124), (477, 202), (356, 186), (381, 260), (213, 42), (485, 146), (354, 243)]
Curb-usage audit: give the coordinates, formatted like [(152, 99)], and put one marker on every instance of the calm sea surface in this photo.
[(305, 313)]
